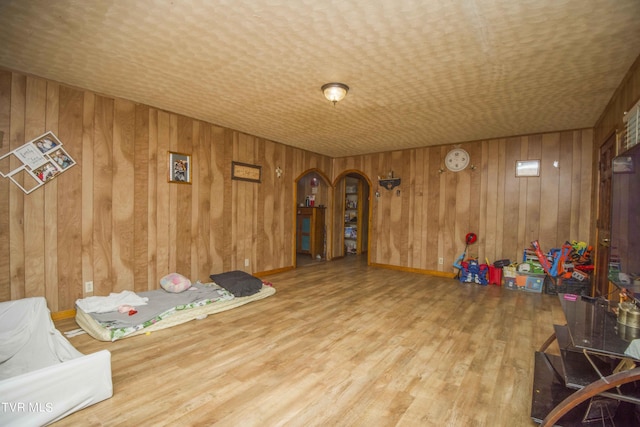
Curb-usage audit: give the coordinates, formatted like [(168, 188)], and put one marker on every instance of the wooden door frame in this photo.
[(327, 220), (361, 174), (600, 286)]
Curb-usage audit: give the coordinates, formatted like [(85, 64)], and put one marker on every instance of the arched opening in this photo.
[(313, 200), (352, 212)]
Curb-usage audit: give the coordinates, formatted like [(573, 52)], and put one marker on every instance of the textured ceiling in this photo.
[(421, 72)]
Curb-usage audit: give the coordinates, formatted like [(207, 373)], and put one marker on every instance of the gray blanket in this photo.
[(161, 301)]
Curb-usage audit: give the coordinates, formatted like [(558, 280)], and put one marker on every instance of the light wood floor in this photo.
[(340, 344)]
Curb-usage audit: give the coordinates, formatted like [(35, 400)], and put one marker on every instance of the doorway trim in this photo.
[(363, 175), (294, 218)]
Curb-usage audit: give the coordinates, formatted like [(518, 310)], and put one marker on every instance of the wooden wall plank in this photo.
[(16, 196), (265, 208), (163, 238), (549, 177), (102, 196), (173, 204), (533, 191), (500, 212), (196, 179), (226, 157), (5, 122), (220, 205), (201, 221), (414, 198), (511, 241), (86, 165), (433, 247), (69, 199), (183, 241), (587, 187), (141, 199), (34, 233), (155, 177), (427, 212), (564, 187), (123, 194), (51, 270)]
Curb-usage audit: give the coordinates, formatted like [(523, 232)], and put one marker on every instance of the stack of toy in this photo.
[(568, 268)]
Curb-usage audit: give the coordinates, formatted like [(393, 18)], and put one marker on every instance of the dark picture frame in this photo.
[(246, 172)]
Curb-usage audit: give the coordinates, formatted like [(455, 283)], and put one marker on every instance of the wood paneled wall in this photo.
[(625, 96), (434, 211), (114, 219)]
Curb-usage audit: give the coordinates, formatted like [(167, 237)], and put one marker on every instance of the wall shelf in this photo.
[(389, 183)]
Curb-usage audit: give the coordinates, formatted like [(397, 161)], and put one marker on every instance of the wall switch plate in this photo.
[(246, 262), (88, 286), (440, 260)]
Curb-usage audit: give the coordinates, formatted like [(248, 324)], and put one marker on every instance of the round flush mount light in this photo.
[(335, 92)]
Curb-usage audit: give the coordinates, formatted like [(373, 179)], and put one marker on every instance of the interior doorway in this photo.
[(311, 218), (603, 221), (352, 211)]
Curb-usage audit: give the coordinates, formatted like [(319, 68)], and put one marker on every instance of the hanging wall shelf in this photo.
[(389, 183)]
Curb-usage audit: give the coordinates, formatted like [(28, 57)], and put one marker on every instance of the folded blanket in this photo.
[(111, 302)]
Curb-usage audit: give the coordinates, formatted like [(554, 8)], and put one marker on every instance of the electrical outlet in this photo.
[(440, 260), (88, 286), (246, 262)]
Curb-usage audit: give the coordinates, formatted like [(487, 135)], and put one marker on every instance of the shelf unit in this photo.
[(353, 216), (310, 231)]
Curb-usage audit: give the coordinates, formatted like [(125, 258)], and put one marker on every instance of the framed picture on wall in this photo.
[(246, 172), (179, 168), (36, 162), (527, 168)]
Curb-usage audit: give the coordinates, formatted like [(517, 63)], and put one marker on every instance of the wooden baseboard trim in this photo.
[(415, 270), (275, 271), (61, 315)]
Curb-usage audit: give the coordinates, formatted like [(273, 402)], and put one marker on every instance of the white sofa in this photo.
[(43, 378)]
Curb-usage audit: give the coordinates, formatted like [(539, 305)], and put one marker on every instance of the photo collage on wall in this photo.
[(36, 162)]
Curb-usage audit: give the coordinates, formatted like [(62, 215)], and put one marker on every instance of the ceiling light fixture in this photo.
[(335, 92)]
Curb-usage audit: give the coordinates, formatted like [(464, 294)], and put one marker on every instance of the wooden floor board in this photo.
[(339, 344)]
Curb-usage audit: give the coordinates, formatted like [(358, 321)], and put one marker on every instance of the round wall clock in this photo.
[(456, 160)]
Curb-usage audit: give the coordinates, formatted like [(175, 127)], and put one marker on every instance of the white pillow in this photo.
[(175, 283)]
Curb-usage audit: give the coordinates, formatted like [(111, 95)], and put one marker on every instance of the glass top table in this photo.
[(593, 326)]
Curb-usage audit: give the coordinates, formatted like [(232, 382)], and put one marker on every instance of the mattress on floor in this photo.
[(166, 318)]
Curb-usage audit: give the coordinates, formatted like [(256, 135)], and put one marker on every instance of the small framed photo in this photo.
[(527, 168), (46, 142), (46, 172), (61, 158), (179, 168)]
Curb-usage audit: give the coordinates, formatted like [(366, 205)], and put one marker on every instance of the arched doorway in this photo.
[(352, 212), (312, 219)]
